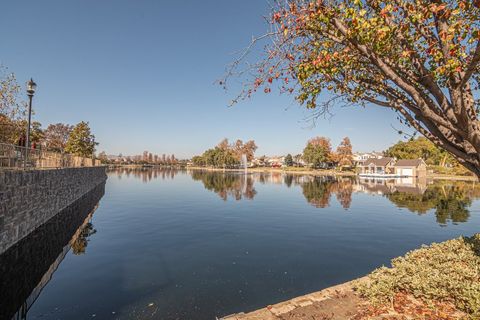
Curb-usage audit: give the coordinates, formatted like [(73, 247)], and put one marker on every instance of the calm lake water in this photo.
[(167, 244)]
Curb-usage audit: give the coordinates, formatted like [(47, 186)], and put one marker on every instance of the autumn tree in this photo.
[(37, 134), (56, 136), (318, 151), (8, 130), (80, 243), (419, 58), (223, 145), (10, 106), (81, 141), (12, 109), (344, 154), (248, 149)]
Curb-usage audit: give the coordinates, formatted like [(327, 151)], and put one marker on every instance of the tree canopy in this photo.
[(344, 153), (56, 136), (419, 58), (81, 141), (420, 148), (10, 105), (226, 154), (288, 161), (318, 151)]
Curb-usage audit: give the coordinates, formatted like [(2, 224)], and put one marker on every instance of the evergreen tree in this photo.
[(288, 160), (81, 141)]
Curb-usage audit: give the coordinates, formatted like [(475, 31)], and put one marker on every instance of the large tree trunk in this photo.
[(463, 142)]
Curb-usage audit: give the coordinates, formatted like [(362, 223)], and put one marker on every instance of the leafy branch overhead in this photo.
[(417, 57)]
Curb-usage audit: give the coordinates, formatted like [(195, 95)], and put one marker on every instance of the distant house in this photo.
[(359, 158), (377, 167), (411, 168), (275, 162)]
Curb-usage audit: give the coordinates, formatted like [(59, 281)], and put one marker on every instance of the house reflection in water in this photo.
[(450, 200), (411, 185)]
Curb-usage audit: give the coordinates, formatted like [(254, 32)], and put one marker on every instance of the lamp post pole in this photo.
[(30, 91)]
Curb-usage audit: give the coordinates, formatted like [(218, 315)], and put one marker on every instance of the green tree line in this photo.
[(226, 155)]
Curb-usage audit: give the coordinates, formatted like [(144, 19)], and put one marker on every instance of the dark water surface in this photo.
[(166, 244)]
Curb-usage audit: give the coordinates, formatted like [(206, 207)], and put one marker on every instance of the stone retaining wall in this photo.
[(30, 198), (27, 266)]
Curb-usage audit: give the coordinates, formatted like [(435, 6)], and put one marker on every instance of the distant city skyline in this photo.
[(143, 76)]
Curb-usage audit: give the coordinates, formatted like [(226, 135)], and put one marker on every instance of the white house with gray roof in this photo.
[(390, 168)]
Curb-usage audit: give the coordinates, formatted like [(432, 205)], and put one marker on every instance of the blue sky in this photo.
[(143, 72)]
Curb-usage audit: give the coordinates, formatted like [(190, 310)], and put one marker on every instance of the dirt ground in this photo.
[(344, 306), (341, 302)]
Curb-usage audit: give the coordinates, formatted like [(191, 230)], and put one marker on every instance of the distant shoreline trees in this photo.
[(147, 158), (226, 155), (319, 154)]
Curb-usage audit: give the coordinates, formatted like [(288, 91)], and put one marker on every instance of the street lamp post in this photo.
[(31, 86)]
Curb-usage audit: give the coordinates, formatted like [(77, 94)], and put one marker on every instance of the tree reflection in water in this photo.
[(146, 174), (238, 186), (318, 191), (80, 242), (449, 200)]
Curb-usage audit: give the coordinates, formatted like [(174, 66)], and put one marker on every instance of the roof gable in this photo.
[(378, 162), (409, 163)]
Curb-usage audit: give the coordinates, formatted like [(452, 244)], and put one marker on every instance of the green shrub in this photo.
[(454, 171), (447, 271)]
